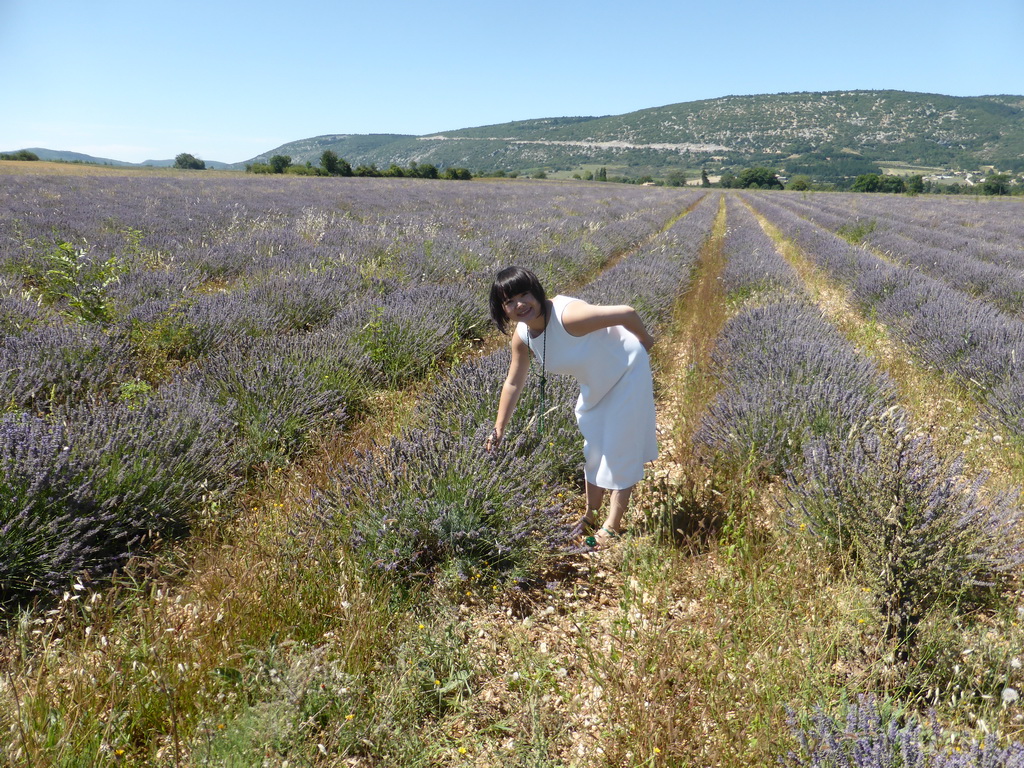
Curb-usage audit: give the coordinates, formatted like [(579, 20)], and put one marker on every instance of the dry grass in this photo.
[(47, 168)]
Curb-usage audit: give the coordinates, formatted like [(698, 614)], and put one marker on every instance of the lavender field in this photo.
[(166, 338), (823, 567)]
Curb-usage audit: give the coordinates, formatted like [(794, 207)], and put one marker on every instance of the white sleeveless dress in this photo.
[(615, 409)]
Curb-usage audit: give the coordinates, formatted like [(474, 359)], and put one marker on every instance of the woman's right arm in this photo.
[(518, 368)]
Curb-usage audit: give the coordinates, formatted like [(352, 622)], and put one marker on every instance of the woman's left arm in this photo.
[(580, 318)]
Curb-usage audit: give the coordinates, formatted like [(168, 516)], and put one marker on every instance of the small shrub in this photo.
[(857, 231), (281, 389), (433, 505), (914, 527), (73, 279)]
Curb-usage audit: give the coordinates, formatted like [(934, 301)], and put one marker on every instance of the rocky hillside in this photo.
[(848, 132)]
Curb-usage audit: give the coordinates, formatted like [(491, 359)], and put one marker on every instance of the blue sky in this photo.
[(226, 80)]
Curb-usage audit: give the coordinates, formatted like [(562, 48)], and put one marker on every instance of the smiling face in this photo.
[(523, 308), (517, 297)]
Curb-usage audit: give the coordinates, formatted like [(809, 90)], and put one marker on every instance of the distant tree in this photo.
[(704, 180), (21, 154), (915, 184), (759, 178), (539, 175), (996, 184), (427, 171), (893, 184), (602, 174), (727, 180), (873, 182), (799, 183), (189, 162), (588, 176), (394, 171), (280, 162), (367, 170), (303, 170), (458, 174), (866, 182), (332, 165), (675, 179)]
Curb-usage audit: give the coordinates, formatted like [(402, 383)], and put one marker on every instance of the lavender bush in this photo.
[(882, 496), (50, 527), (754, 264), (873, 736), (17, 312), (434, 504), (281, 389), (53, 364), (414, 330), (77, 501)]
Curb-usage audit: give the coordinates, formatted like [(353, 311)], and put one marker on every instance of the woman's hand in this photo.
[(492, 442)]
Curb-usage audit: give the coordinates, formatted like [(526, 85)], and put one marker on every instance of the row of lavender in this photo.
[(434, 505), (168, 271), (984, 257), (798, 402), (98, 459), (963, 336), (988, 229)]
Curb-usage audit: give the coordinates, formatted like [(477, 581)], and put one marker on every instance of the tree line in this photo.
[(332, 165), (766, 178), (748, 178), (22, 154)]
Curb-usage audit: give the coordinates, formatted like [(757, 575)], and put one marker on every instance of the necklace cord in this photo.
[(543, 366)]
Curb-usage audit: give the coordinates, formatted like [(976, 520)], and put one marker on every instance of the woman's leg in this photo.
[(595, 498), (616, 511)]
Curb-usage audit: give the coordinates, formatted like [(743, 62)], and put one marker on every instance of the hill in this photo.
[(829, 135), (839, 133), (55, 155), (72, 157)]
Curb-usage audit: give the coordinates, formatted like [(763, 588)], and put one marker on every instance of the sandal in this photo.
[(611, 536), (585, 524)]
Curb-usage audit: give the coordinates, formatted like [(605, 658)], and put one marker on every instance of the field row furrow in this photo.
[(996, 276), (958, 334), (855, 479)]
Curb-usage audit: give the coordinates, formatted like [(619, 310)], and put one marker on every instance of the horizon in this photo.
[(660, 106), (244, 86)]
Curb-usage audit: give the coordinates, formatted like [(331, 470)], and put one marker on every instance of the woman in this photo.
[(605, 348)]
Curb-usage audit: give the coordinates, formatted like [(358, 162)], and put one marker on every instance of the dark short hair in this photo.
[(510, 282)]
